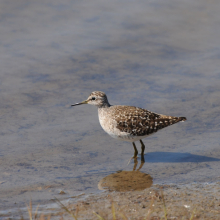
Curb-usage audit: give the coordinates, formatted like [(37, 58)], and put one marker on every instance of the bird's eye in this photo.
[(93, 98)]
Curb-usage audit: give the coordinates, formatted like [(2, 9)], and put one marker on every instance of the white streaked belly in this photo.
[(127, 137)]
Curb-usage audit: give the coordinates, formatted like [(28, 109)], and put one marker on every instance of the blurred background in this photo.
[(162, 55)]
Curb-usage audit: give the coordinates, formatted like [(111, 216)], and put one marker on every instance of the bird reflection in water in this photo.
[(136, 163), (126, 180)]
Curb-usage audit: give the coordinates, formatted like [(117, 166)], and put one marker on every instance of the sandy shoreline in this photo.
[(199, 200)]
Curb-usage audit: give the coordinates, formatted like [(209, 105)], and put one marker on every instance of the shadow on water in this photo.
[(173, 157), (136, 180)]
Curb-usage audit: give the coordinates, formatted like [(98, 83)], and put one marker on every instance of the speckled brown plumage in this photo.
[(141, 122)]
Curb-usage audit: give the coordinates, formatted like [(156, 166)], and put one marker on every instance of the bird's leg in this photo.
[(135, 150), (142, 151), (142, 147)]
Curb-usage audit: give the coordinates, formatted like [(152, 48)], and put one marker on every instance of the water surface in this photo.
[(162, 55)]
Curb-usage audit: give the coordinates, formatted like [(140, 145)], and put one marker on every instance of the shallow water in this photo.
[(161, 55)]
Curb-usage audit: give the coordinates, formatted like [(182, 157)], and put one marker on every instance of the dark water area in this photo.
[(162, 55)]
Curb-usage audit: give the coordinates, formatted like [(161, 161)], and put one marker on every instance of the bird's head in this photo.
[(96, 98)]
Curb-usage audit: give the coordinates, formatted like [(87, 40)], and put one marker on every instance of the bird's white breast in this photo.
[(109, 125)]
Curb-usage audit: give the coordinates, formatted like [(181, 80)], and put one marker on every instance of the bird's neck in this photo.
[(104, 105)]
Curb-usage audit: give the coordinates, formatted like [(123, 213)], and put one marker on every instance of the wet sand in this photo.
[(158, 55)]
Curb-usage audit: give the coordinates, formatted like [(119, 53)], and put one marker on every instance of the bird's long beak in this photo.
[(84, 102)]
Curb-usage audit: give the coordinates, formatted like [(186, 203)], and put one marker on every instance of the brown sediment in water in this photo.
[(124, 181)]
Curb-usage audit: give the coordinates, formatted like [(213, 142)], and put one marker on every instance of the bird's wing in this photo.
[(141, 122)]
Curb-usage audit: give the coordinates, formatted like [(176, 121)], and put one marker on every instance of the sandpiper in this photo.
[(128, 123)]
